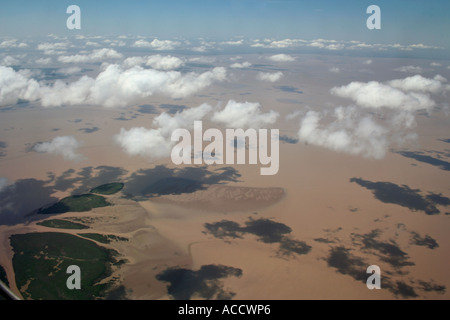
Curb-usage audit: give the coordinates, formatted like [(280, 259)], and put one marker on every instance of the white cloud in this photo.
[(9, 61), (377, 95), (156, 142), (44, 61), (15, 85), (70, 70), (368, 62), (115, 87), (234, 43), (421, 84), (157, 44), (409, 69), (335, 70), (164, 62), (352, 133), (98, 55), (244, 115), (281, 58), (53, 48), (270, 76), (436, 64), (242, 65), (156, 62), (64, 145), (12, 43)]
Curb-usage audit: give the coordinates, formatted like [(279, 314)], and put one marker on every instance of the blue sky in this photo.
[(405, 22)]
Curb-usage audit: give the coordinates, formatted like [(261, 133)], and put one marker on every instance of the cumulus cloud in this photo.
[(157, 44), (53, 48), (409, 69), (335, 70), (233, 43), (155, 61), (270, 76), (113, 87), (44, 61), (239, 65), (421, 84), (65, 146), (164, 62), (244, 115), (156, 142), (352, 133), (9, 61), (15, 85), (377, 95), (70, 70), (98, 55), (281, 58), (12, 43)]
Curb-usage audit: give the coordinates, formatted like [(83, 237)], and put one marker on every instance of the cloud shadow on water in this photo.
[(289, 89), (162, 180), (205, 283), (441, 164), (148, 109), (266, 230), (404, 196)]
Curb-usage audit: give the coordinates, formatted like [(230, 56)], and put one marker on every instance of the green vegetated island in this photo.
[(108, 189), (84, 202), (62, 224), (41, 259)]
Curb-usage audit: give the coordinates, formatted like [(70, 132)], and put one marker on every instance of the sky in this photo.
[(404, 22)]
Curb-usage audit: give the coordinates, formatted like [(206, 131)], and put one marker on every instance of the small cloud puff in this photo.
[(64, 145)]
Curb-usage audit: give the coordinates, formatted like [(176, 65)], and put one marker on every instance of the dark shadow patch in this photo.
[(163, 180), (288, 139), (388, 252), (323, 240), (119, 293), (89, 130), (75, 120), (266, 230), (172, 108), (3, 146), (445, 140), (288, 89), (224, 229), (427, 241), (289, 246), (148, 109), (404, 290), (432, 287), (205, 283), (444, 165), (173, 185), (348, 264), (19, 200), (438, 199), (55, 129), (404, 196), (289, 101)]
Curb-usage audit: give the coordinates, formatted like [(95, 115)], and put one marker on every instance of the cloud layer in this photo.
[(113, 87)]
